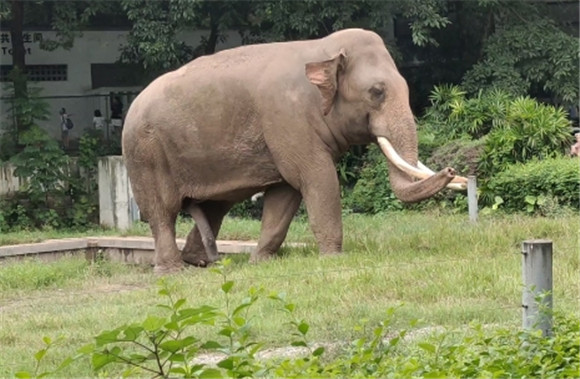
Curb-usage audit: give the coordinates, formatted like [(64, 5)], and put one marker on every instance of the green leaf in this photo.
[(427, 347), (176, 345), (178, 304), (178, 370), (239, 321), (153, 323), (132, 332), (227, 286), (47, 340), (107, 337), (227, 331), (100, 360), (241, 307), (318, 352), (65, 363), (86, 349), (40, 354), (530, 199), (210, 373), (299, 343), (212, 345), (303, 328), (23, 375), (433, 374), (227, 363)]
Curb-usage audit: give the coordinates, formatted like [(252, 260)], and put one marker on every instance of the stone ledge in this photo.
[(125, 244)]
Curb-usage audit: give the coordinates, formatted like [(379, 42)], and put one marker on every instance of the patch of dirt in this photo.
[(212, 359)]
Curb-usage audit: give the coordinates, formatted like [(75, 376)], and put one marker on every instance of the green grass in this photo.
[(437, 268)]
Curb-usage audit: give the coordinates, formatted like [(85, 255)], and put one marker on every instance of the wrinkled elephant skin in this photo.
[(274, 118)]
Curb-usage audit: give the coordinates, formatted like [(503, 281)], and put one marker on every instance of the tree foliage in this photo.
[(529, 58)]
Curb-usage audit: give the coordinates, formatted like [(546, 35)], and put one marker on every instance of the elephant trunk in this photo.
[(402, 172)]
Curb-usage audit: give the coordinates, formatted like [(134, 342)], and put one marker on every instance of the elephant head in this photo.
[(365, 99)]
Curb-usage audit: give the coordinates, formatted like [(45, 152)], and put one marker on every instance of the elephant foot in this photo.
[(168, 269), (197, 260)]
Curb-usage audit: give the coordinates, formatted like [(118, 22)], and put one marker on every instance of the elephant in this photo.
[(272, 118)]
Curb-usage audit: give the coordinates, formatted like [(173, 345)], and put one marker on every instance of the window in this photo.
[(39, 73), (115, 75)]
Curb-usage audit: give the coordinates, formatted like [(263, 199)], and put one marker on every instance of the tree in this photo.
[(153, 40), (18, 71), (533, 56)]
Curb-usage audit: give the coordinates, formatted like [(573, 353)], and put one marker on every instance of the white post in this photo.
[(117, 208), (472, 197), (537, 275)]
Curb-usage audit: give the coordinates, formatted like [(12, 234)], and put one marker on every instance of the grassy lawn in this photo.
[(439, 269)]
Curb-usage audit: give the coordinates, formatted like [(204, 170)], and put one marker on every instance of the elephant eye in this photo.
[(377, 92)]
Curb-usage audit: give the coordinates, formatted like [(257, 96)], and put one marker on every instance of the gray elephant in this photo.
[(271, 118)]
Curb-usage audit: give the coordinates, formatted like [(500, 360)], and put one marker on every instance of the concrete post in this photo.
[(117, 208), (472, 197), (537, 275)]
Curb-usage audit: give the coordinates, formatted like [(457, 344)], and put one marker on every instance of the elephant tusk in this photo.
[(390, 153), (458, 183)]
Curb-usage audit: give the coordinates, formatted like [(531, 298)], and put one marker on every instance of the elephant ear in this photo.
[(325, 76)]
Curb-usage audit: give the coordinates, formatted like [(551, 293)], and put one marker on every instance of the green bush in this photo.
[(248, 209), (536, 185), (55, 194), (529, 130), (453, 116), (511, 129), (372, 193)]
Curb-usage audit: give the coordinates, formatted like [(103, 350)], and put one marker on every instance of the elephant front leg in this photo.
[(280, 205), (321, 192)]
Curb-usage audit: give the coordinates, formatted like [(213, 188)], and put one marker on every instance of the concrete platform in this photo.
[(137, 250)]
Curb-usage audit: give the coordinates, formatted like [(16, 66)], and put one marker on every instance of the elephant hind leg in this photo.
[(205, 231), (166, 251)]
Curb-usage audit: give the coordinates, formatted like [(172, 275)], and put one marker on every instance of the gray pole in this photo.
[(472, 197), (537, 275)]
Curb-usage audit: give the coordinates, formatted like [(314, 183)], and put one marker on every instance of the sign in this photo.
[(30, 39)]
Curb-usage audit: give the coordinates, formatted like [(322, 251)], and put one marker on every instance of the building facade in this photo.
[(82, 79)]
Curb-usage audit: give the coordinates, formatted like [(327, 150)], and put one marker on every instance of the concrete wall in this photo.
[(117, 207), (9, 184)]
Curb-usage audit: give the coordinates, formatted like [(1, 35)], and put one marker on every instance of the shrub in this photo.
[(512, 129), (45, 166), (529, 130), (54, 194), (248, 209), (530, 186), (372, 193)]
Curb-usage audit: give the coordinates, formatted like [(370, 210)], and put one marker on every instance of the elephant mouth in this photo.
[(458, 183)]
